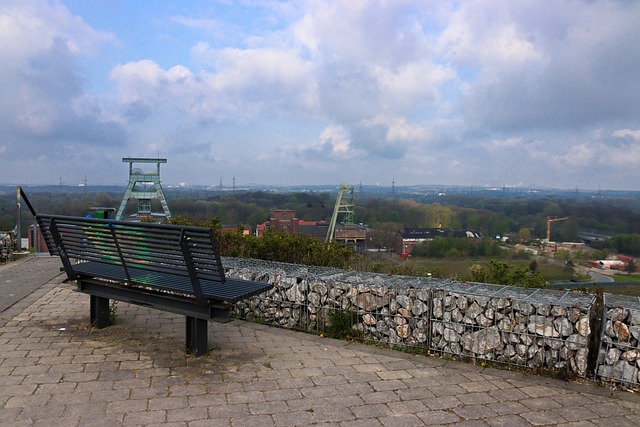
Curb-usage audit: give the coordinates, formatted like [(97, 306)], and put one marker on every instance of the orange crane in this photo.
[(549, 221)]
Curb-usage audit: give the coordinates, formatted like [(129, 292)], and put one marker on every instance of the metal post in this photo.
[(18, 225)]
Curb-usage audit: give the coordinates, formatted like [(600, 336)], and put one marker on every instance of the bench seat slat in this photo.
[(231, 291)]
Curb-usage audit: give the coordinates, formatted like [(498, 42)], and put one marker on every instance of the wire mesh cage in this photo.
[(524, 327), (516, 326), (619, 353)]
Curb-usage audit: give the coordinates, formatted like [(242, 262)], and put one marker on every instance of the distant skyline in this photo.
[(534, 93)]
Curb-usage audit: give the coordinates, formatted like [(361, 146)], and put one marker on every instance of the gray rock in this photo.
[(541, 325), (505, 324), (484, 321), (500, 303), (582, 326), (455, 348), (437, 308), (482, 342), (296, 293), (563, 326), (612, 356), (404, 301), (474, 310), (314, 299), (577, 341), (450, 335), (320, 288), (419, 307), (521, 350), (617, 314), (581, 359), (438, 328), (543, 309), (523, 307), (420, 336)]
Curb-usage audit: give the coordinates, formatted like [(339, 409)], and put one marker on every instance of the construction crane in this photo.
[(549, 221), (344, 204)]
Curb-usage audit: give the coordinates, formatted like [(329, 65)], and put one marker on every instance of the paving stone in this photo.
[(575, 413), (380, 397), (436, 418), (447, 390), (145, 417), (268, 408), (507, 421), (136, 373), (366, 422), (294, 418), (443, 402), (187, 415), (539, 418), (475, 398), (508, 394), (405, 420), (474, 412), (540, 403), (507, 408), (371, 411)]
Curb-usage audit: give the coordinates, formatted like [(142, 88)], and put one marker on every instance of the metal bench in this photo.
[(168, 267)]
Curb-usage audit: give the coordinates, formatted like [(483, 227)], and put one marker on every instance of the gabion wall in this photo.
[(619, 354), (525, 327)]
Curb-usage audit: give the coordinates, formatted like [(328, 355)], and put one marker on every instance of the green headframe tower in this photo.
[(144, 187)]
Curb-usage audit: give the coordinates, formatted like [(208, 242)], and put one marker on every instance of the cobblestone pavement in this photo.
[(55, 370), (13, 287)]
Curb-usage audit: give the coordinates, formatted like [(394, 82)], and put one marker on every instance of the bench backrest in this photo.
[(164, 248)]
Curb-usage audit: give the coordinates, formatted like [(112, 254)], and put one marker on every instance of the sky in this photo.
[(528, 93)]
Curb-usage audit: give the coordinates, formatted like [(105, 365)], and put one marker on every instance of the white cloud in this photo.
[(247, 83), (335, 141), (497, 145), (456, 91), (627, 133), (41, 44)]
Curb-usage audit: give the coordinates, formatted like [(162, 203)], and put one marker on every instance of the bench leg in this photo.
[(197, 336), (99, 314)]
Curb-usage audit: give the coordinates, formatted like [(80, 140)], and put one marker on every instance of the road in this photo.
[(599, 277)]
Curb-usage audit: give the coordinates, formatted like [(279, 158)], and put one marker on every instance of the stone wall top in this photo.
[(304, 272), (627, 301)]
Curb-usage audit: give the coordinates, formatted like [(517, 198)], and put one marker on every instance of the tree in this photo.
[(631, 267), (500, 273), (524, 235)]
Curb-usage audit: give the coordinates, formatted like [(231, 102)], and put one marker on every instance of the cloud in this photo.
[(633, 135), (455, 92), (41, 82), (546, 67), (246, 83)]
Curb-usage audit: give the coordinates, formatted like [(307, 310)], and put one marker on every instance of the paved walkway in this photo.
[(54, 370)]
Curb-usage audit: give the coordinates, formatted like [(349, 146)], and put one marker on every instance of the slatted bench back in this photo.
[(175, 250)]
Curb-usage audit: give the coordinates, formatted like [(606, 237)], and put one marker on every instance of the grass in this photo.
[(451, 268), (626, 278), (631, 290)]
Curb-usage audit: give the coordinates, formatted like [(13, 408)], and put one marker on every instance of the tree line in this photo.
[(491, 216)]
